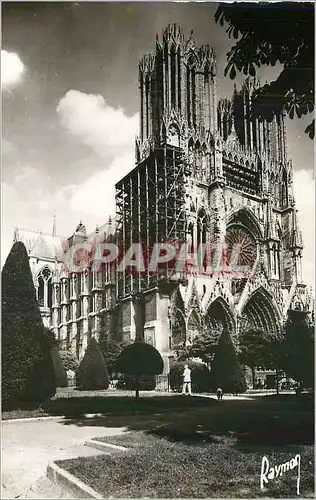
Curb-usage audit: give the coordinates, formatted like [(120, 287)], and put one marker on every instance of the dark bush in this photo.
[(60, 373), (200, 376), (27, 366), (50, 338), (138, 360), (226, 371), (92, 373)]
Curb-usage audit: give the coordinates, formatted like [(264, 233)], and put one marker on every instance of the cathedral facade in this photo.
[(207, 172)]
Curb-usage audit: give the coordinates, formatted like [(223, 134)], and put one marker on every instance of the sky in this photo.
[(70, 99)]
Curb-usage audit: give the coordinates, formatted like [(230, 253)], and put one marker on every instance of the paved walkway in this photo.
[(28, 447)]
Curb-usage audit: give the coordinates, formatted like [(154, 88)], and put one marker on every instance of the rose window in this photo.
[(240, 240)]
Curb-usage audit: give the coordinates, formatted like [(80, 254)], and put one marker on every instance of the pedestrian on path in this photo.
[(186, 380), (219, 393)]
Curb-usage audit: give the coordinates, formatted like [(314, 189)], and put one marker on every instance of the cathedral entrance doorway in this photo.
[(261, 313), (219, 317)]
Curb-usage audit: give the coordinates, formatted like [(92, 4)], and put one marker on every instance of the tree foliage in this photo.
[(27, 367), (69, 360), (203, 347), (268, 33), (226, 371), (92, 373), (111, 349), (254, 349), (200, 376), (139, 359), (296, 356)]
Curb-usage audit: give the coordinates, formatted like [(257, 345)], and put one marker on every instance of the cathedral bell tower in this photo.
[(177, 92)]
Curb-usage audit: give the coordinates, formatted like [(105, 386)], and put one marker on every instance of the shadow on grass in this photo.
[(261, 421), (256, 423), (76, 407)]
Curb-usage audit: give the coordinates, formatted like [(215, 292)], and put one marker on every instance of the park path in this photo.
[(28, 446)]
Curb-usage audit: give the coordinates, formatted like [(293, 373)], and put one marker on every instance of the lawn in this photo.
[(213, 452), (75, 405)]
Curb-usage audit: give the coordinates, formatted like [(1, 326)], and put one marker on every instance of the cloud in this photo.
[(12, 69), (96, 195), (111, 134), (108, 131), (30, 197), (304, 191), (28, 201)]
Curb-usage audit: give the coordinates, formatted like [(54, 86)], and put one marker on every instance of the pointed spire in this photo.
[(55, 273), (81, 229), (296, 240), (271, 233), (233, 137), (54, 224), (269, 220)]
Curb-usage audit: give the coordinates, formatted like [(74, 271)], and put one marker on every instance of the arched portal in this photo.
[(218, 317), (261, 313)]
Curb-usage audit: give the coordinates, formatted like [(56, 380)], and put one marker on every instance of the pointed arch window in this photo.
[(179, 77), (173, 76), (206, 74), (191, 237), (44, 288), (284, 190), (191, 98), (204, 164), (147, 85), (201, 232), (40, 291)]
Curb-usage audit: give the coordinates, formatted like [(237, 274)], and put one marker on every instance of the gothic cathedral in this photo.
[(207, 171)]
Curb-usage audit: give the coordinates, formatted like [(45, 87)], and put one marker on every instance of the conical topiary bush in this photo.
[(92, 373), (139, 359), (60, 373), (226, 371), (59, 370), (27, 367)]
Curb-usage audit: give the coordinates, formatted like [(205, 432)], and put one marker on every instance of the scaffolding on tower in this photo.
[(150, 205)]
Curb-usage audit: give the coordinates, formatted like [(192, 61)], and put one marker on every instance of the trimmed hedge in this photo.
[(139, 359), (200, 376), (60, 373), (226, 371), (92, 373), (27, 366)]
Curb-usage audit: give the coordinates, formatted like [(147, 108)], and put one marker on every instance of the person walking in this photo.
[(186, 380), (219, 393)]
